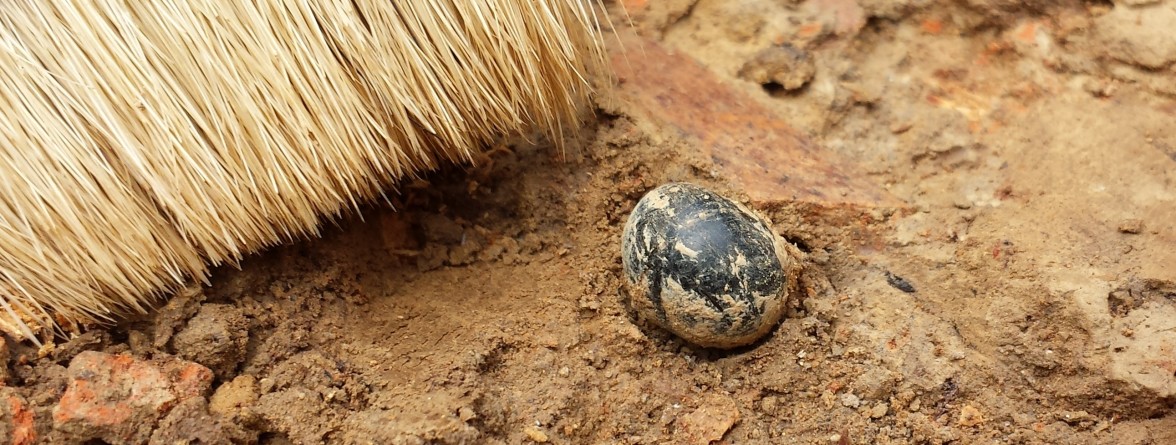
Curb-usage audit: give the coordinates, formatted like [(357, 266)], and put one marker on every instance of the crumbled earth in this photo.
[(1024, 293)]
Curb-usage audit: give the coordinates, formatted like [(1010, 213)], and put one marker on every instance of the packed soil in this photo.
[(1022, 289)]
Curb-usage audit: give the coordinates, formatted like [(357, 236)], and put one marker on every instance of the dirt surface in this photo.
[(1024, 291)]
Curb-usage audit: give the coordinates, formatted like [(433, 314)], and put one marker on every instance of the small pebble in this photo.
[(710, 422), (536, 435), (849, 400), (1131, 226), (769, 404), (879, 410), (970, 416), (787, 66), (899, 283)]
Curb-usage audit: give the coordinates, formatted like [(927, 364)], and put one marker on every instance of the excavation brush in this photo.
[(144, 142)]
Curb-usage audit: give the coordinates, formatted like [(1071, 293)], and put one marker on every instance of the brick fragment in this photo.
[(120, 399)]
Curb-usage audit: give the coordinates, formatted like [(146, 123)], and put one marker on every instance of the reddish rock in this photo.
[(120, 399), (16, 418), (709, 423), (750, 144)]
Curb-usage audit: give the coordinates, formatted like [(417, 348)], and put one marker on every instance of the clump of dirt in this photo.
[(215, 337), (1023, 292)]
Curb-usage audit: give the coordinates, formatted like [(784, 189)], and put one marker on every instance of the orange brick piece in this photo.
[(16, 419), (119, 399)]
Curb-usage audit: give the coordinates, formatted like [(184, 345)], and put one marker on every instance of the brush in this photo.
[(144, 143)]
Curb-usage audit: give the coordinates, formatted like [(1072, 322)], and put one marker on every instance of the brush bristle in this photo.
[(146, 141)]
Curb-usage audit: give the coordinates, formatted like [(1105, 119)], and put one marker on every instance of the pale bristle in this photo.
[(144, 141)]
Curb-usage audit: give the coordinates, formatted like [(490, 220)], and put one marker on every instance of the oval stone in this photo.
[(703, 266)]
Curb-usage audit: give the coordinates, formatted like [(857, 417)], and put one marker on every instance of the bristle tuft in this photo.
[(145, 141)]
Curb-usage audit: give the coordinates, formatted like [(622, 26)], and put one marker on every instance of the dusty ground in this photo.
[(1029, 144)]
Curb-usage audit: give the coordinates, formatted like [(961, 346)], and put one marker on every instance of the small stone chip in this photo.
[(1075, 417), (710, 422), (1132, 226), (915, 406), (231, 397), (787, 66), (769, 404), (970, 416), (536, 435), (879, 411), (899, 283)]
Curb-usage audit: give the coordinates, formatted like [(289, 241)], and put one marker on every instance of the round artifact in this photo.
[(704, 267)]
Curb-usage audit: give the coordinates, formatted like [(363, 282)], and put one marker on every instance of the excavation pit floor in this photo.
[(1012, 278)]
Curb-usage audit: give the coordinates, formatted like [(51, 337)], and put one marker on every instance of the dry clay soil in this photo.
[(1023, 291)]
